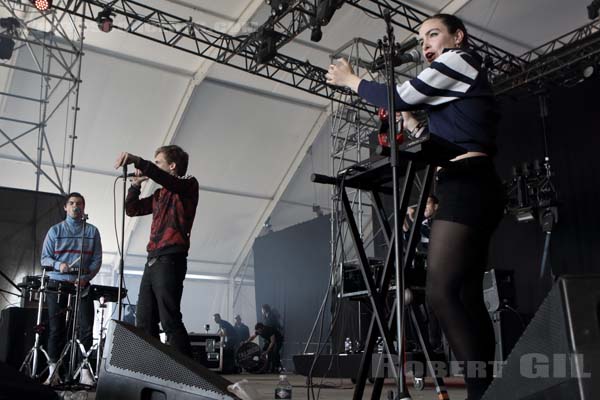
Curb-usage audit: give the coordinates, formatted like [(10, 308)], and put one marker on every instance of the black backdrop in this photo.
[(291, 271), (574, 150), (25, 217)]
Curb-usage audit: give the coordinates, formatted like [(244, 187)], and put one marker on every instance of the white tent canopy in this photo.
[(252, 142)]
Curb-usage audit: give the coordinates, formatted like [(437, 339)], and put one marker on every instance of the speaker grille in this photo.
[(137, 357)]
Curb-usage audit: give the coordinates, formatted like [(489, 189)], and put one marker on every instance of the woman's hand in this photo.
[(341, 74)]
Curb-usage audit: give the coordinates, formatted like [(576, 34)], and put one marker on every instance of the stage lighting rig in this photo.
[(278, 6), (7, 44), (42, 5), (326, 9), (104, 19), (531, 194), (266, 47)]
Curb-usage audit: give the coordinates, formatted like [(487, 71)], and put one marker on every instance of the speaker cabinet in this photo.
[(138, 366), (17, 330), (15, 385), (558, 355)]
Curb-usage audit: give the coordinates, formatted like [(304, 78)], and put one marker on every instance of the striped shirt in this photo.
[(63, 245), (456, 94)]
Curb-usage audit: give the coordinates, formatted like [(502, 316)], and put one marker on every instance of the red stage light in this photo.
[(42, 5)]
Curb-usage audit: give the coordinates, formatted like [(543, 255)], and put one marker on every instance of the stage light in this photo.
[(42, 5), (7, 44), (593, 8), (588, 70), (316, 34), (104, 20), (278, 6), (266, 48)]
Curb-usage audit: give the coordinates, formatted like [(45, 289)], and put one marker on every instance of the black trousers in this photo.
[(274, 356), (159, 300), (58, 328)]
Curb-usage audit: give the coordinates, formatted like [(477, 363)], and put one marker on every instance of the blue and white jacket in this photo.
[(455, 92), (63, 244)]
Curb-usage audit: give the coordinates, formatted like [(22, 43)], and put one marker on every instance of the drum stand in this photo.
[(30, 364), (99, 346)]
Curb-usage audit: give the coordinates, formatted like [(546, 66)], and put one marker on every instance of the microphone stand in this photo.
[(389, 54), (122, 255), (75, 314)]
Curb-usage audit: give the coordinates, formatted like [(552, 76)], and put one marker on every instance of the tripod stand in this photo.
[(30, 364)]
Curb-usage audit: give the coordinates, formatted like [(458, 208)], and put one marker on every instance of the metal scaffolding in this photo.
[(49, 46)]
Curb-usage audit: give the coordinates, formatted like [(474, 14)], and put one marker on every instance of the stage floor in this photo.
[(332, 389)]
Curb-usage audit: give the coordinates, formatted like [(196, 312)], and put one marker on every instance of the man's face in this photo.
[(430, 207), (75, 207), (217, 319), (162, 163)]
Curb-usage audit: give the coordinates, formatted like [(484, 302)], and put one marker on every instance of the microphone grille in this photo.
[(415, 55)]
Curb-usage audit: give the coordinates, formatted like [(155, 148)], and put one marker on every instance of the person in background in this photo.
[(272, 347), (243, 332)]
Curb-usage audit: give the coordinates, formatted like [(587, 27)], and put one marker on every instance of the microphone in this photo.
[(77, 210), (413, 55)]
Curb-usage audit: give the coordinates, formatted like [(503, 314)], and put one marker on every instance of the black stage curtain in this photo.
[(291, 271), (25, 217), (573, 146)]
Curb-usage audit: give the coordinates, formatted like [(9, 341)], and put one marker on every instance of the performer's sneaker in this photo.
[(53, 375), (86, 377)]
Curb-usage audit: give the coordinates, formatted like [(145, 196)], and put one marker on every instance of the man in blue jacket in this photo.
[(63, 250)]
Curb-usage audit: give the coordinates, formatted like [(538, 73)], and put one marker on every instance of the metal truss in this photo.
[(498, 61), (50, 46), (287, 24), (239, 52), (559, 62), (351, 134)]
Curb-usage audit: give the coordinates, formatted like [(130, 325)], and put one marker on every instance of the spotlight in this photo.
[(104, 20), (278, 6), (326, 9), (42, 5), (7, 45), (592, 9), (266, 48), (316, 34), (588, 70)]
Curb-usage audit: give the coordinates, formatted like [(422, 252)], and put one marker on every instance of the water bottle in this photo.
[(283, 389), (380, 346)]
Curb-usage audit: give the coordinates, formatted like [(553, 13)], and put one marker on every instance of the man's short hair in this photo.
[(266, 307), (237, 317), (217, 315), (260, 326), (175, 154), (434, 199), (73, 194)]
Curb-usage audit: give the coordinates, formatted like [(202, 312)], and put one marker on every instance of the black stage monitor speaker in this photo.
[(136, 366), (17, 335), (558, 355), (15, 385)]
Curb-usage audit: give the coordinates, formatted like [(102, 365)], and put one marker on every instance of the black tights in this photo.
[(457, 260)]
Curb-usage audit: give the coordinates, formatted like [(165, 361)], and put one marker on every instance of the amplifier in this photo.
[(207, 349), (352, 282)]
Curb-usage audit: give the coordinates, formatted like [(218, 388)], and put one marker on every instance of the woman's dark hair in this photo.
[(453, 23)]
